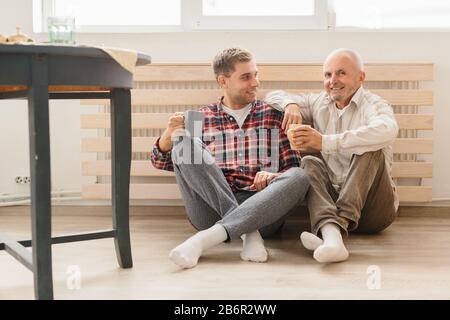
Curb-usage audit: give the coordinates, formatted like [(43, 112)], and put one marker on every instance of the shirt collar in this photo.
[(220, 104), (356, 99)]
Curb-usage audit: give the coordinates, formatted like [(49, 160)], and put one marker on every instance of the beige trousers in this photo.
[(365, 202)]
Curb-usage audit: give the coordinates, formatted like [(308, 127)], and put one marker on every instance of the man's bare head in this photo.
[(351, 54)]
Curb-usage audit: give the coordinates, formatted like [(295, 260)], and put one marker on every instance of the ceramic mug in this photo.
[(291, 130)]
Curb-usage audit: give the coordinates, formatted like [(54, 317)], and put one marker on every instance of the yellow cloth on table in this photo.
[(126, 58)]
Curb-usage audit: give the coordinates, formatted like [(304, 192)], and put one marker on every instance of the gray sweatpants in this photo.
[(209, 200)]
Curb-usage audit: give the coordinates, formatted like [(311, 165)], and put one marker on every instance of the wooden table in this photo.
[(42, 72)]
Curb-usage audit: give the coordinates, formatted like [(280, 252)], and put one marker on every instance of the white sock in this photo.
[(310, 241), (332, 249), (186, 255), (253, 247)]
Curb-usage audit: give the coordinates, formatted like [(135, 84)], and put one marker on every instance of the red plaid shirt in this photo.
[(241, 152)]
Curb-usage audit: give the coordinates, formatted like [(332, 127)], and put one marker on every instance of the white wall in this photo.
[(201, 47), (64, 117)]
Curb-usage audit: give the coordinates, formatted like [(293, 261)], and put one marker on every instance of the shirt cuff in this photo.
[(330, 143), (288, 101), (158, 153)]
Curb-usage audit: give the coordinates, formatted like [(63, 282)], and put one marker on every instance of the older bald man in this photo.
[(352, 131)]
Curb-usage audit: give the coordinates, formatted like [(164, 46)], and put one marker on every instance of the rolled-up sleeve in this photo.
[(161, 160), (279, 99)]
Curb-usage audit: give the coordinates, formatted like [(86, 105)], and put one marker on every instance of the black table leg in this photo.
[(121, 161), (38, 116)]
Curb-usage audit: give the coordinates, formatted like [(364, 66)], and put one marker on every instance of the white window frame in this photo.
[(192, 19), (48, 10), (319, 21), (332, 15)]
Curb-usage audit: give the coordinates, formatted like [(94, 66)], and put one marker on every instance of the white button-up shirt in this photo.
[(366, 124)]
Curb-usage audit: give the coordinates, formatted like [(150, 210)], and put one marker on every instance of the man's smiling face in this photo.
[(342, 78), (241, 86)]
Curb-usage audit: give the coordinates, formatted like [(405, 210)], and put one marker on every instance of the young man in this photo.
[(238, 189), (353, 129)]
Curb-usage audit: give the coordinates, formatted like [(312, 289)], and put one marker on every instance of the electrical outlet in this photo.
[(22, 180)]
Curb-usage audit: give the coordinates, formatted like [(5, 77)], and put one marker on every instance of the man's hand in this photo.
[(175, 123), (305, 138), (291, 115), (263, 179)]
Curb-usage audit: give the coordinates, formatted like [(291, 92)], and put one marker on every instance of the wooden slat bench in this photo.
[(162, 89)]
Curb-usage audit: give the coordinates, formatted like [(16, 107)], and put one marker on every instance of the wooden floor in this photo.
[(413, 257)]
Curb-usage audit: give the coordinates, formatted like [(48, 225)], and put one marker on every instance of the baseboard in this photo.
[(179, 210), (73, 198), (177, 203)]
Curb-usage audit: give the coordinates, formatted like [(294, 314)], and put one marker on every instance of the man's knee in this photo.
[(298, 177), (377, 156), (185, 148), (309, 162)]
